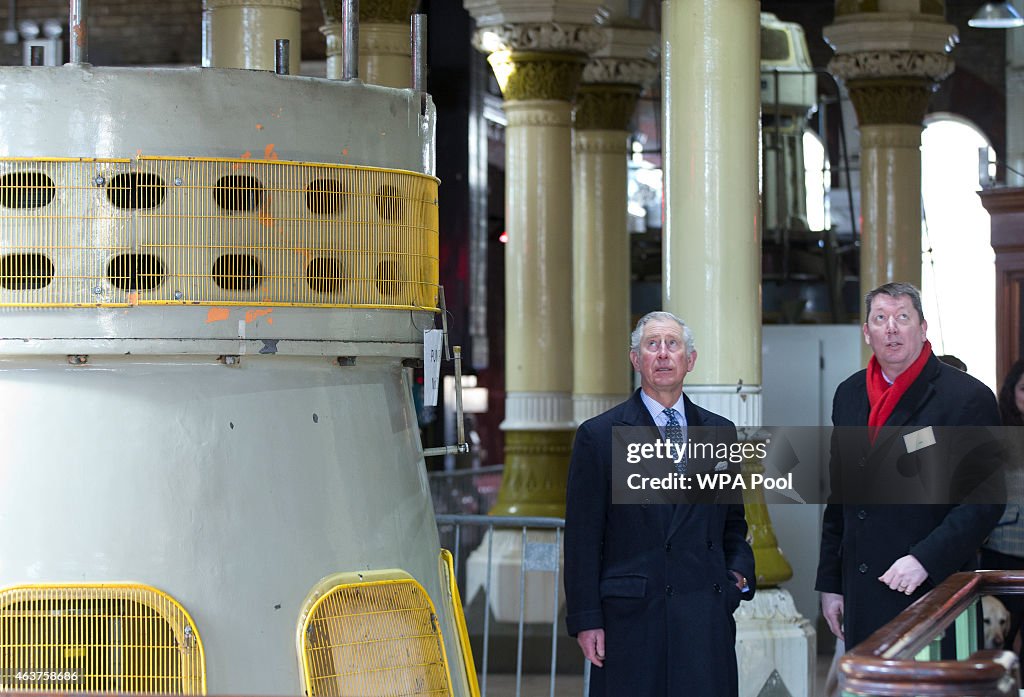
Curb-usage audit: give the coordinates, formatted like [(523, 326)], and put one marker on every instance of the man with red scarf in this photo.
[(877, 559)]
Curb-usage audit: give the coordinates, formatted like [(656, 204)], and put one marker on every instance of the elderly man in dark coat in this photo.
[(877, 559), (651, 589)]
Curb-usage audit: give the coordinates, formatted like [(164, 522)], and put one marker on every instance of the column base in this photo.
[(505, 548), (775, 647), (536, 472)]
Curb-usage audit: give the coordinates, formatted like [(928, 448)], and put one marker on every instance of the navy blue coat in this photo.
[(654, 577), (860, 542)]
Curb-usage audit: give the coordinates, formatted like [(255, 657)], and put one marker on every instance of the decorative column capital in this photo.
[(605, 106), (870, 65), (526, 75), (539, 36), (925, 7), (891, 60)]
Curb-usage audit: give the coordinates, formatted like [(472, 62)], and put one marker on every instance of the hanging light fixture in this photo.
[(996, 15)]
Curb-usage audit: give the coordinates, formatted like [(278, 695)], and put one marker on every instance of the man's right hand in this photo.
[(832, 608), (592, 643)]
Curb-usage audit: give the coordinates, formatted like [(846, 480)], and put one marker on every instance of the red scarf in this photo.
[(883, 396)]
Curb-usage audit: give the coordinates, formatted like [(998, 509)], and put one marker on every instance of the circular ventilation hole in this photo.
[(324, 275), (26, 190), (237, 272), (132, 272), (325, 197), (132, 190), (238, 192), (389, 204), (388, 278), (25, 271)]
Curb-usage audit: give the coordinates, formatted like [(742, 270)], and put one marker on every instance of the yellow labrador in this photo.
[(997, 621)]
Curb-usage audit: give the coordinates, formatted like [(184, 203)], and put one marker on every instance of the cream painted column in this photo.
[(242, 33), (1015, 102), (712, 243), (537, 53), (601, 315), (891, 60), (385, 53)]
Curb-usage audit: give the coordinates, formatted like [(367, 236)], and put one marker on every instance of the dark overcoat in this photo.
[(655, 577), (859, 541)]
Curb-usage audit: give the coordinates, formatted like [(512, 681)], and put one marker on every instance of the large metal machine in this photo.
[(212, 283)]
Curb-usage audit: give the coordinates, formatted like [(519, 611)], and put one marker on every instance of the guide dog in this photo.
[(997, 621)]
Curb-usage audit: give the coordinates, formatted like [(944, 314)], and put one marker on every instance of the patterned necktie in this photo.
[(674, 433)]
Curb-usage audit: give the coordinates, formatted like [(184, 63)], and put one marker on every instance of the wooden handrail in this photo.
[(884, 663)]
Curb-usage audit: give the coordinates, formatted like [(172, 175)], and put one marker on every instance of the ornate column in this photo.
[(385, 55), (537, 55), (712, 271), (891, 59), (241, 33), (605, 102)]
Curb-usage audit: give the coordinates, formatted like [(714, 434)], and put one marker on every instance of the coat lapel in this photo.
[(682, 511), (916, 396)]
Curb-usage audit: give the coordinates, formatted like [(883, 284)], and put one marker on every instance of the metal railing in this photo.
[(539, 543), (931, 648)]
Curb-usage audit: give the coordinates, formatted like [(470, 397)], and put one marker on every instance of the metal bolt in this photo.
[(98, 290), (177, 181), (178, 295), (99, 180), (78, 359), (229, 360)]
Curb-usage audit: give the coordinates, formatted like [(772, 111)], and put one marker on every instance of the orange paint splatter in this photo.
[(217, 314), (263, 214), (253, 315), (270, 320), (245, 156), (344, 151), (259, 127), (138, 153), (268, 152), (133, 298)]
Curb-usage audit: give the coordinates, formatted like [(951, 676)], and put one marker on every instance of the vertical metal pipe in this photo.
[(282, 51), (350, 26), (79, 39), (418, 39), (38, 56)]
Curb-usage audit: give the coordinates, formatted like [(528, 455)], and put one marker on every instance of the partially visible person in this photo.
[(1004, 548), (878, 559), (950, 359)]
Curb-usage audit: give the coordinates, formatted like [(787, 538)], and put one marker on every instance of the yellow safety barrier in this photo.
[(208, 231), (379, 636), (98, 637)]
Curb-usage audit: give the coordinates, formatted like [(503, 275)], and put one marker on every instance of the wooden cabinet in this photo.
[(1006, 206)]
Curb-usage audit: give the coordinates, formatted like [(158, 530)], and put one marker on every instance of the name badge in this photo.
[(919, 439)]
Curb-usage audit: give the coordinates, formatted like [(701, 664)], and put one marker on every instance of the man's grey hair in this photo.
[(638, 333), (895, 290)]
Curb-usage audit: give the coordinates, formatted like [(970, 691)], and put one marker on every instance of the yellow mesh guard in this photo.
[(378, 638), (98, 638), (192, 231), (449, 582)]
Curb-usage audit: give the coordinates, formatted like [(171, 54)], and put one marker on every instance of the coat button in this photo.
[(863, 461), (668, 546), (711, 545), (718, 588), (863, 568), (862, 514), (668, 590)]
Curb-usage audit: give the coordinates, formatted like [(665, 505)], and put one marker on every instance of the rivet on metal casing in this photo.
[(230, 360), (178, 181), (178, 295), (77, 359), (98, 290), (99, 180)]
